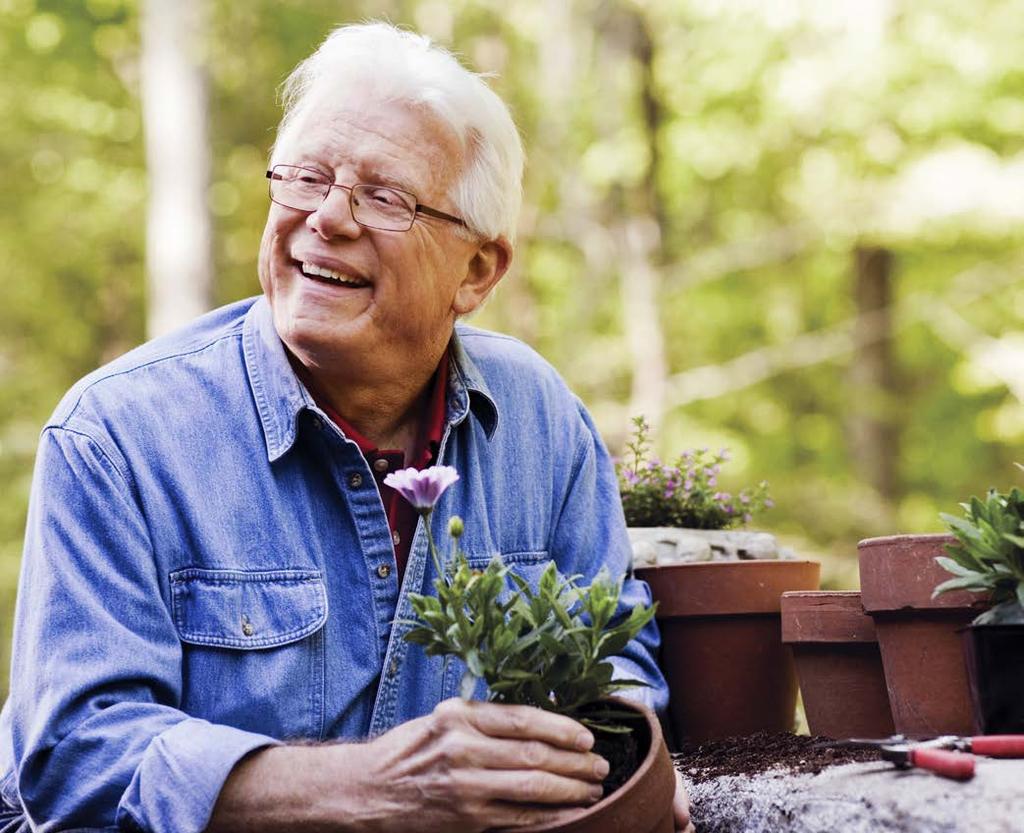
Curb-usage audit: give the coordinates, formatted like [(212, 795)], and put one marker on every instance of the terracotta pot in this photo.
[(642, 805), (838, 663), (721, 644), (917, 635)]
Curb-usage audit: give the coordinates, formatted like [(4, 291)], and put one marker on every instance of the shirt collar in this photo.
[(431, 425), (280, 398)]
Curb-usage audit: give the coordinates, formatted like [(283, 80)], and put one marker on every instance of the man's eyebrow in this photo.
[(379, 177)]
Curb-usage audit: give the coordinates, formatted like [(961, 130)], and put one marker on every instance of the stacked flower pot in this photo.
[(835, 646)]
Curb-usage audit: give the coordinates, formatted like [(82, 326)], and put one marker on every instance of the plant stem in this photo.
[(425, 513)]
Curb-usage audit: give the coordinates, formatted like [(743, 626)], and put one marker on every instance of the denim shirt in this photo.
[(208, 567)]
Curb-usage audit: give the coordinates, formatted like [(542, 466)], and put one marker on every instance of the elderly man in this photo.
[(209, 633)]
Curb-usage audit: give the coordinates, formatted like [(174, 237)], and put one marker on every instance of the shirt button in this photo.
[(248, 629), (380, 465), (393, 668), (318, 423), (396, 539), (384, 570), (355, 480)]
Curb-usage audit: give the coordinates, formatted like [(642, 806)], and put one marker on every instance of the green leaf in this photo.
[(979, 582), (961, 525), (954, 567)]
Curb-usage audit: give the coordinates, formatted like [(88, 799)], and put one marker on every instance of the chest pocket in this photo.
[(528, 565), (253, 652)]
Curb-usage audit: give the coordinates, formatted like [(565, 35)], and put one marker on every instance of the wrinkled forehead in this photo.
[(377, 138)]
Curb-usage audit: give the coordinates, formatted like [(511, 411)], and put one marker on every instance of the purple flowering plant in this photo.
[(547, 646), (685, 493)]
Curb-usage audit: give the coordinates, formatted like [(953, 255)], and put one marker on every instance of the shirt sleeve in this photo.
[(591, 533), (99, 739)]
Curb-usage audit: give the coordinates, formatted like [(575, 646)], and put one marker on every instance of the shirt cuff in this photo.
[(182, 772)]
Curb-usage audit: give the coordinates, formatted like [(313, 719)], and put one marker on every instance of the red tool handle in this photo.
[(956, 765), (999, 746)]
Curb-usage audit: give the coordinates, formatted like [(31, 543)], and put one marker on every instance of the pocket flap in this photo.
[(247, 610)]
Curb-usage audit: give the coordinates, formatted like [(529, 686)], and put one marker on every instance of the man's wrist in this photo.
[(326, 787)]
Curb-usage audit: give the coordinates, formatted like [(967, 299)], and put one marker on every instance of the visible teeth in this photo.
[(321, 272)]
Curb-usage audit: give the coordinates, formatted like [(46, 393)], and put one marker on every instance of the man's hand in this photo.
[(464, 768), (470, 766), (681, 807)]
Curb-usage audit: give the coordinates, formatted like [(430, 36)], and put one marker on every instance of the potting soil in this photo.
[(623, 755), (763, 751)]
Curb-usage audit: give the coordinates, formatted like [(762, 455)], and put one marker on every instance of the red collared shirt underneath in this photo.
[(401, 516)]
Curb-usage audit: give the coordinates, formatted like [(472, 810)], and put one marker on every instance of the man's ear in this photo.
[(486, 268)]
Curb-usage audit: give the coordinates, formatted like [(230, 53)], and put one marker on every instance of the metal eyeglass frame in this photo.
[(419, 208)]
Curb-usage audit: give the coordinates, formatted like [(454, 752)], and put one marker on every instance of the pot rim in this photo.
[(898, 575), (826, 616), (706, 588), (905, 537)]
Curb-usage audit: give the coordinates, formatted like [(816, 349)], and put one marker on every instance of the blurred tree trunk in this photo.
[(872, 433), (641, 231), (179, 250)]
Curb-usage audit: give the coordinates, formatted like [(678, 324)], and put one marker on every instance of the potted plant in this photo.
[(988, 557), (676, 512), (546, 646), (718, 593)]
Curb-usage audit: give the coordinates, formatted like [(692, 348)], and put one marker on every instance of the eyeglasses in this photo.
[(372, 206)]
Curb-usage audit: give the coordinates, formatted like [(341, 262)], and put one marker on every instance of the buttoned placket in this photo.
[(385, 705), (371, 521)]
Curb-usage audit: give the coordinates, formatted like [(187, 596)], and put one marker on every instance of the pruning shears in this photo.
[(949, 756)]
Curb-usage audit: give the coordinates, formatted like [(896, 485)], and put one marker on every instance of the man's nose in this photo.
[(333, 218)]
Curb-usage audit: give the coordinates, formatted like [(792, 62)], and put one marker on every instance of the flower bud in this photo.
[(455, 527)]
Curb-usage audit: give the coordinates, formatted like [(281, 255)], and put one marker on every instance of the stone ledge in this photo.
[(872, 797)]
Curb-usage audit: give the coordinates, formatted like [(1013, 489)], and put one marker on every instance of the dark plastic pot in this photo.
[(643, 804), (721, 644), (838, 663), (917, 635), (995, 673)]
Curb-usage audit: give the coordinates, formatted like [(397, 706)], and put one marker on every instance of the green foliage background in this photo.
[(773, 139)]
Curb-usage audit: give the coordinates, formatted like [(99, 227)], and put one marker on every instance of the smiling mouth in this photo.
[(324, 275)]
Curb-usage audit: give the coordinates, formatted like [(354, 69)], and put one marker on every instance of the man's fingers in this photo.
[(518, 722), (501, 753), (681, 806), (505, 816), (538, 787)]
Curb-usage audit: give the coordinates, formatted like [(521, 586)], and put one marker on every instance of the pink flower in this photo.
[(422, 488), (768, 503), (712, 481)]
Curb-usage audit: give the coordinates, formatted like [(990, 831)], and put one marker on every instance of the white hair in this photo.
[(397, 65)]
